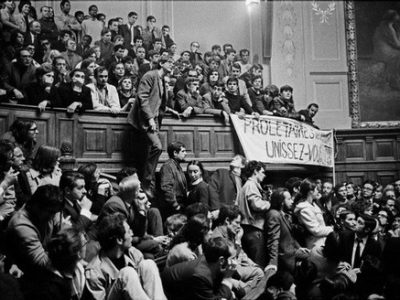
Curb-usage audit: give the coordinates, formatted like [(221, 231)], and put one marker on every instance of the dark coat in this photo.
[(223, 187), (67, 96), (185, 100), (126, 33), (18, 77), (372, 247), (193, 280), (236, 102), (201, 193), (80, 221), (35, 94), (281, 245), (150, 103)]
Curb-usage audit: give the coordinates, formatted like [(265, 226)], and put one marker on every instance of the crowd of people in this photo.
[(90, 61), (69, 234), (192, 234)]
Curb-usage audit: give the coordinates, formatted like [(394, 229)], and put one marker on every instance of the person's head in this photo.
[(207, 57), (281, 200), (172, 48), (46, 159), (157, 44), (78, 77), (229, 216), (6, 156), (257, 82), (93, 11), (216, 49), (332, 247), (132, 17), (185, 56), (368, 189), (166, 64), (106, 35), (390, 204), (177, 151), (45, 203), (154, 56), (31, 48), (89, 65), (140, 52), (65, 36), (86, 40), (25, 58), (101, 75), (213, 77), (125, 84), (72, 185), (91, 175), (65, 249), (237, 163), (365, 225), (389, 193), (65, 6), (138, 41), (165, 30), (256, 170), (350, 189), (45, 74), (151, 21), (113, 232), (195, 209), (113, 25), (226, 47), (341, 192), (24, 131), (214, 63), (327, 188), (125, 172), (194, 46), (60, 64), (17, 38), (286, 92), (232, 84), (235, 71), (384, 217), (279, 282), (217, 251), (18, 159), (196, 230), (192, 85), (272, 90), (348, 220), (24, 7), (244, 56), (175, 223), (45, 11), (164, 54), (45, 44), (101, 17), (118, 70), (79, 16), (71, 45), (308, 188), (397, 187), (195, 170), (230, 54), (129, 188), (312, 109)]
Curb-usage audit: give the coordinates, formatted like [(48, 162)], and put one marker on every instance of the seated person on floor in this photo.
[(120, 270)]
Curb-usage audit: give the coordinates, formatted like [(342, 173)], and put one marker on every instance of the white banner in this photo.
[(284, 141)]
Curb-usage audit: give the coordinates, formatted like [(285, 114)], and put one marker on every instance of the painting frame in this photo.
[(353, 73)]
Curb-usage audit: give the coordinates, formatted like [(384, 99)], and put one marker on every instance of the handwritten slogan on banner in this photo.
[(284, 141)]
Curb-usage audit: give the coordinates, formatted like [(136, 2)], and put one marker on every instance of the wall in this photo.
[(310, 55)]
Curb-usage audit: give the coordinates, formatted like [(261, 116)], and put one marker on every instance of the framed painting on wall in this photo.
[(373, 46)]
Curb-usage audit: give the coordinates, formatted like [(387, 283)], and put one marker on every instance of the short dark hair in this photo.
[(277, 198), (231, 78), (229, 51), (79, 12), (45, 159), (69, 178), (76, 71), (175, 146), (63, 2), (281, 280), (92, 6), (6, 147), (88, 171), (139, 37), (215, 47), (99, 70), (117, 47), (243, 51), (127, 59), (369, 221), (157, 40), (286, 88), (46, 197), (306, 186), (109, 229), (312, 104), (216, 247), (237, 66), (22, 3), (252, 166), (111, 21), (132, 13), (227, 211), (165, 26), (149, 18)]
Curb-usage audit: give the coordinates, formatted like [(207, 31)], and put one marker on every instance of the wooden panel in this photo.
[(94, 141), (356, 178), (385, 178), (384, 149), (5, 121), (355, 150)]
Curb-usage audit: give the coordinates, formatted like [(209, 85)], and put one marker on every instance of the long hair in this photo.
[(46, 159), (20, 129), (88, 171), (306, 186)]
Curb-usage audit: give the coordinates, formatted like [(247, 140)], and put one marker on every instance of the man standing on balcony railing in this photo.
[(146, 115)]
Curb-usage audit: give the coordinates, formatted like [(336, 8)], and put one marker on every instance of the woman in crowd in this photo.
[(23, 18), (15, 45), (24, 134), (310, 215), (42, 93), (117, 71), (126, 93), (89, 65), (99, 190), (212, 80), (45, 168), (198, 190), (186, 245)]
